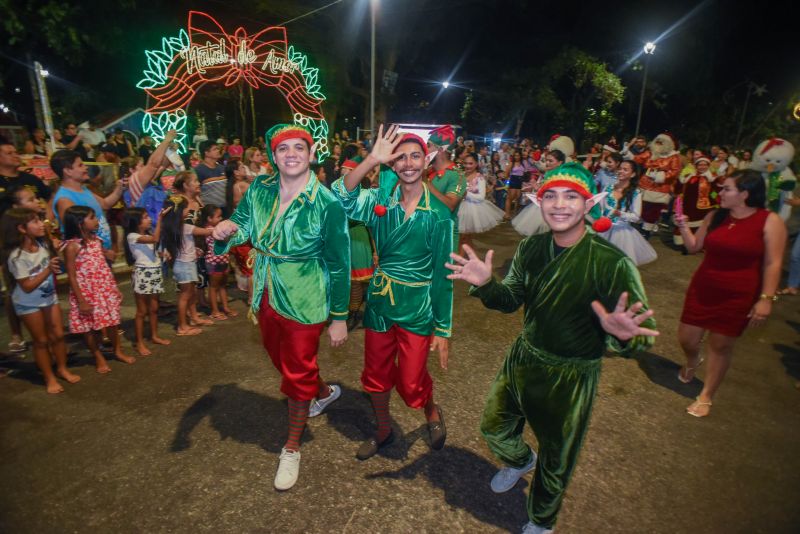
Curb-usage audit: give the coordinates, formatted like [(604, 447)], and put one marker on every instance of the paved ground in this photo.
[(187, 440)]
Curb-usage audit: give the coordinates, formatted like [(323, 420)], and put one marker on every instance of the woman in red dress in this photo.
[(735, 285)]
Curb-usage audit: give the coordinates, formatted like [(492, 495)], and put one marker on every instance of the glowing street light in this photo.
[(445, 84), (45, 73), (649, 48)]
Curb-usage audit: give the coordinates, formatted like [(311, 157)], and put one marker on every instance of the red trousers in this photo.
[(409, 374), (651, 211), (293, 348)]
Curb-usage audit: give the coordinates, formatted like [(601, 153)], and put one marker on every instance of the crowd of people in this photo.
[(391, 220)]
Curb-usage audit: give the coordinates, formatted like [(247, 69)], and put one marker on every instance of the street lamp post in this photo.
[(40, 73), (373, 9), (649, 48)]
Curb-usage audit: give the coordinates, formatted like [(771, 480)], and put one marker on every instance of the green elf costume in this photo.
[(444, 176), (550, 375), (409, 299), (301, 278)]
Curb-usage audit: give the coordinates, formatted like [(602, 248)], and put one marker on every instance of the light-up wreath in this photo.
[(208, 54)]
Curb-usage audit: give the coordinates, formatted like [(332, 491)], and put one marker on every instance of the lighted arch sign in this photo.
[(206, 53)]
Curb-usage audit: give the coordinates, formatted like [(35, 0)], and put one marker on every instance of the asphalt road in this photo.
[(188, 439)]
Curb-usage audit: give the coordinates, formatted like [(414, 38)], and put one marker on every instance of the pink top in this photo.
[(236, 151)]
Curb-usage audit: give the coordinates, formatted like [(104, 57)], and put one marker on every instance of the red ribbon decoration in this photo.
[(204, 30)]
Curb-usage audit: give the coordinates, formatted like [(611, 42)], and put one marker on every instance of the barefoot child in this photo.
[(147, 279), (32, 264), (177, 238), (217, 267), (94, 299)]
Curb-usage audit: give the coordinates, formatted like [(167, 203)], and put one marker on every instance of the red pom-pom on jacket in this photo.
[(603, 224), (380, 210)]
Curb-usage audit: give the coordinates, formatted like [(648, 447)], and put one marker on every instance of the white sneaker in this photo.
[(318, 405), (288, 470), (533, 528), (507, 477)]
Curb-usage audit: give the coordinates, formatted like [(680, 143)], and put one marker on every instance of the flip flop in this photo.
[(190, 332), (219, 316), (698, 403), (689, 369), (787, 293)]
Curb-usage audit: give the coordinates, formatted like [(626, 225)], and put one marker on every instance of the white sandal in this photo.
[(697, 404), (689, 369)]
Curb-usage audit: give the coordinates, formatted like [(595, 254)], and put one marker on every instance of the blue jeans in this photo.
[(794, 264)]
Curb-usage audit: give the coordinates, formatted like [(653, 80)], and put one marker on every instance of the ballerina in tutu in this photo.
[(623, 205), (530, 221), (476, 215)]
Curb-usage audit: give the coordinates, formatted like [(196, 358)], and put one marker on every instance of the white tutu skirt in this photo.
[(478, 217), (530, 221), (630, 241)]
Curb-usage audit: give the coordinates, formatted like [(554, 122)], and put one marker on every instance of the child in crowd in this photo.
[(18, 196), (147, 277), (177, 239), (217, 267), (33, 265), (94, 299)]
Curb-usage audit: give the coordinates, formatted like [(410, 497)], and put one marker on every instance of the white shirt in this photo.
[(144, 254)]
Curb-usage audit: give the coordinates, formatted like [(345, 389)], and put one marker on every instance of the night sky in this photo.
[(711, 52)]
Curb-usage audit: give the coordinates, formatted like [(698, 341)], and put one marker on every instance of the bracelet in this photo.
[(773, 298)]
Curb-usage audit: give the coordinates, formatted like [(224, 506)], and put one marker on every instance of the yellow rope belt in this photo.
[(251, 257), (384, 283)]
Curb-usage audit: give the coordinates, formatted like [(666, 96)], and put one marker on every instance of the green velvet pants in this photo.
[(555, 396)]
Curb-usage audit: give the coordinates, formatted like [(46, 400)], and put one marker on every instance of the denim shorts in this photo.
[(184, 272), (26, 309), (217, 268)]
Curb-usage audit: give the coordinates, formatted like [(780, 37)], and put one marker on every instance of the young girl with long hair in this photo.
[(147, 278), (217, 267), (94, 299), (623, 205), (177, 239), (32, 265)]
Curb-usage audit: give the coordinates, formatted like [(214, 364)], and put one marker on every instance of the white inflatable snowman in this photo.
[(772, 158)]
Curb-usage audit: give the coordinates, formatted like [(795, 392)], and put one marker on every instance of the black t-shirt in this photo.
[(145, 151), (79, 148), (25, 179)]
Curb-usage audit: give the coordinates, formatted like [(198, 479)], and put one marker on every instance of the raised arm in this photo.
[(506, 296), (382, 152), (693, 242), (153, 163)]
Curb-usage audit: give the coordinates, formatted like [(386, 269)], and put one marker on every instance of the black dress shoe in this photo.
[(353, 319), (370, 448), (437, 431)]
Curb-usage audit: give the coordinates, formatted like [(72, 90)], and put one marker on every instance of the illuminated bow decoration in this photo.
[(214, 55)]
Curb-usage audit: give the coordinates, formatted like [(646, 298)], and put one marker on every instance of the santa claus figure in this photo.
[(772, 158), (699, 196), (662, 170)]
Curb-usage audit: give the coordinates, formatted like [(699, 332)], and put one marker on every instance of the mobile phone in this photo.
[(124, 170)]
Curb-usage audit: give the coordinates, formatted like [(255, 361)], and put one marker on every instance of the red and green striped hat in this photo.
[(572, 175), (282, 132)]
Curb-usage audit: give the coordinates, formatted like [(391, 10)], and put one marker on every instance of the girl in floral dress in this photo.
[(94, 299)]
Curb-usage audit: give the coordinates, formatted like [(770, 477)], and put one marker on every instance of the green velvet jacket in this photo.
[(303, 257), (557, 292), (409, 287)]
